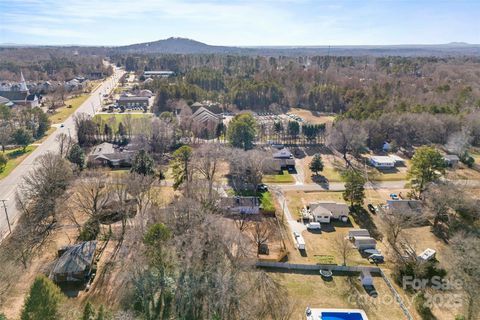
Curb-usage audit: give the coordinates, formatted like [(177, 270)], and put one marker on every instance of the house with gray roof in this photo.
[(451, 160), (108, 154), (324, 211), (240, 205), (75, 263), (283, 159), (203, 115)]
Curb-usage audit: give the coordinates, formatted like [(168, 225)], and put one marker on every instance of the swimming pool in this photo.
[(336, 314), (341, 316)]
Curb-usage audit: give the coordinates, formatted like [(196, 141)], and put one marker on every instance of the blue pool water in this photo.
[(341, 316)]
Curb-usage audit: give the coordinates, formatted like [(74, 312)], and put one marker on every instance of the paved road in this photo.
[(295, 226), (339, 186), (9, 184), (279, 189)]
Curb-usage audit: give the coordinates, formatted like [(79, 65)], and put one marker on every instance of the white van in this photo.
[(314, 226), (300, 243)]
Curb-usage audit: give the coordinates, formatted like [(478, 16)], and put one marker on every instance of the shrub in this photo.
[(42, 301), (90, 230), (422, 307), (3, 163), (467, 159)]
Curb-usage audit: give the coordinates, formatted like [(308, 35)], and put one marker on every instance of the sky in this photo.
[(240, 22)]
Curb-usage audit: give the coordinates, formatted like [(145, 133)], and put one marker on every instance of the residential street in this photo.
[(9, 184)]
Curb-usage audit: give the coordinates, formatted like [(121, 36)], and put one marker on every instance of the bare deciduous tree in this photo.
[(347, 136), (92, 194), (395, 221), (344, 247), (261, 233), (206, 161), (64, 144), (465, 260)]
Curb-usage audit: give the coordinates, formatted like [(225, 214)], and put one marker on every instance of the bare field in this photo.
[(312, 116)]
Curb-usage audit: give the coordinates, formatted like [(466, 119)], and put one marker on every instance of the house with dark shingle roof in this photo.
[(75, 264), (20, 94)]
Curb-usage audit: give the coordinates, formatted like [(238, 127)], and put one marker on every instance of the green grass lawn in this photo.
[(15, 157), (384, 176), (266, 201), (331, 174), (64, 112), (113, 119), (285, 177), (475, 156)]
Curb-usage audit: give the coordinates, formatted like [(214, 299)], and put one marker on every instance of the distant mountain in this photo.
[(181, 46), (188, 46)]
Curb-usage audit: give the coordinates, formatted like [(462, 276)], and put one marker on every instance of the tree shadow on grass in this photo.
[(365, 221), (321, 181), (17, 153)]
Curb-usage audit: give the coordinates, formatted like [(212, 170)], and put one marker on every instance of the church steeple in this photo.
[(23, 83)]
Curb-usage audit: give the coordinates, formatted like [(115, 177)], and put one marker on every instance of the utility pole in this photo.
[(6, 214)]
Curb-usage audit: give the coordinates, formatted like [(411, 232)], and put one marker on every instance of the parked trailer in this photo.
[(300, 243), (352, 234), (362, 243)]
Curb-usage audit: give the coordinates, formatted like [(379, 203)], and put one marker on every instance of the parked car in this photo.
[(377, 258), (371, 251), (394, 196), (262, 188), (314, 226), (62, 125), (371, 208)]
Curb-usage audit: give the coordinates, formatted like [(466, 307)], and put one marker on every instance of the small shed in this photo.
[(451, 160), (75, 263), (352, 234), (362, 243), (386, 146)]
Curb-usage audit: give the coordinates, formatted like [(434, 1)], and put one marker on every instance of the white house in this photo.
[(326, 210), (382, 162), (398, 160)]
